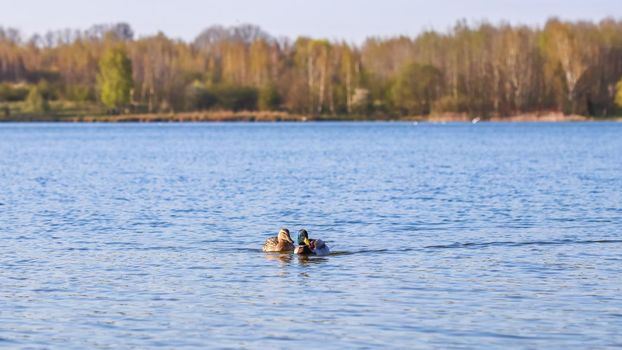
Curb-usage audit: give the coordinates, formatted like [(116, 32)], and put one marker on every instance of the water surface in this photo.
[(451, 236)]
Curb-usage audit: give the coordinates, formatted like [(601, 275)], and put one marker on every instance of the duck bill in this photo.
[(307, 242)]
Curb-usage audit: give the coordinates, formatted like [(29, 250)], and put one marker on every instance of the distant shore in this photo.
[(277, 116)]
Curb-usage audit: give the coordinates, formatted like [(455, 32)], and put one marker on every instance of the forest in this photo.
[(477, 70)]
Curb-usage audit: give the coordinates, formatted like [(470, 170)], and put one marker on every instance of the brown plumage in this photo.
[(281, 243)]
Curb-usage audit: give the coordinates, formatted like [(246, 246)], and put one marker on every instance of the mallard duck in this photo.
[(308, 246), (281, 243), (304, 244)]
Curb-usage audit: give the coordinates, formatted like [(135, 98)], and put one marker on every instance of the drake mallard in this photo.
[(308, 246), (281, 243)]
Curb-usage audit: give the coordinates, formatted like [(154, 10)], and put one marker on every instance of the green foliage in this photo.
[(36, 101), (11, 93), (415, 88), (115, 77), (226, 97), (269, 98), (78, 93), (200, 98), (618, 97), (235, 98), (5, 111)]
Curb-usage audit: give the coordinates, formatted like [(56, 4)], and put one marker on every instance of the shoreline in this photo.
[(268, 116)]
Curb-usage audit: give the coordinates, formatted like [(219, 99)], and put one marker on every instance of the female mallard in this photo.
[(308, 246), (281, 243)]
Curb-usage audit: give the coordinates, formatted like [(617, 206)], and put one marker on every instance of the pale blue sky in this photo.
[(352, 20)]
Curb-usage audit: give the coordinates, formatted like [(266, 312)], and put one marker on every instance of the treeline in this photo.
[(479, 70)]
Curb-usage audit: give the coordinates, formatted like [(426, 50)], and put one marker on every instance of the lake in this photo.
[(448, 236)]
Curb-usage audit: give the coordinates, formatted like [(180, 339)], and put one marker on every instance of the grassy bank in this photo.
[(202, 116), (278, 116)]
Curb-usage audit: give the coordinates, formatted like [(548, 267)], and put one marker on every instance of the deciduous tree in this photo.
[(115, 77)]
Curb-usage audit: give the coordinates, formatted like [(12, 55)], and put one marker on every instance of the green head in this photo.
[(303, 237)]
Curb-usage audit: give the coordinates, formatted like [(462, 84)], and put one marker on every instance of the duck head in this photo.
[(303, 237), (284, 236)]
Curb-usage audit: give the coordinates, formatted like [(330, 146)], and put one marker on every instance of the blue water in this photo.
[(456, 236)]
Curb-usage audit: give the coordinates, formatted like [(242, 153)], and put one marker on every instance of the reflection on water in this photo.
[(306, 259), (286, 258), (279, 257), (456, 236)]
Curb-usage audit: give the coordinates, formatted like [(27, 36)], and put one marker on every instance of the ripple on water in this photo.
[(442, 236)]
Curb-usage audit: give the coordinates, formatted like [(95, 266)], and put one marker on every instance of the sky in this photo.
[(350, 20)]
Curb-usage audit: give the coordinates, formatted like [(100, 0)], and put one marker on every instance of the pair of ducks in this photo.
[(284, 243)]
